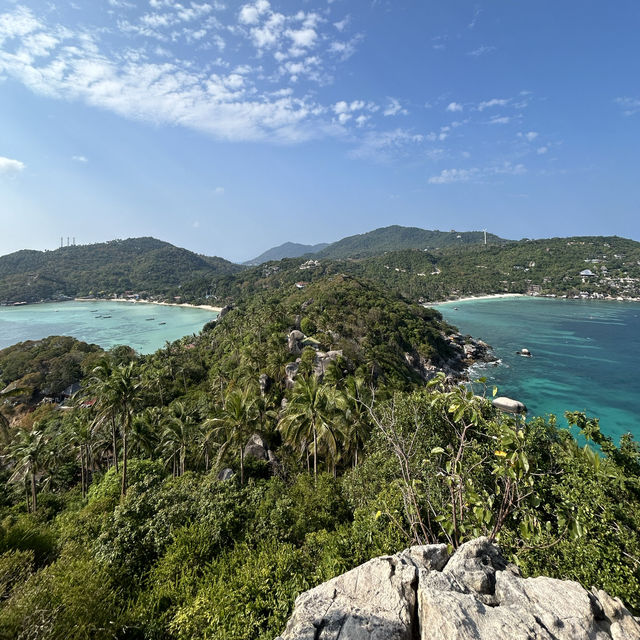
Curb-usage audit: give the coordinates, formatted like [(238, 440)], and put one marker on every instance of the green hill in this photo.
[(137, 264), (395, 237), (286, 250)]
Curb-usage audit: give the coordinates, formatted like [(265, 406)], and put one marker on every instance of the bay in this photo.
[(145, 327), (585, 355)]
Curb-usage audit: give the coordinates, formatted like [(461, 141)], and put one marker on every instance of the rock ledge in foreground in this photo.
[(472, 595)]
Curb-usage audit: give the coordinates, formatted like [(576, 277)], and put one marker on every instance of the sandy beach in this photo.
[(206, 307), (486, 297)]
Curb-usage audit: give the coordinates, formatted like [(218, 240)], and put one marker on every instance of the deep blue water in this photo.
[(127, 323), (586, 355)]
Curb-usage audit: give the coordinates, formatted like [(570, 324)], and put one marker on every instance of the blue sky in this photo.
[(228, 128)]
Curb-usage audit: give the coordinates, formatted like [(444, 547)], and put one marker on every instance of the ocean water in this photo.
[(586, 355), (138, 325)]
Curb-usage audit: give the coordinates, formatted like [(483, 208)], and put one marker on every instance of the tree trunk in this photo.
[(315, 455), (34, 499), (115, 443), (123, 492), (82, 476), (241, 465), (26, 496)]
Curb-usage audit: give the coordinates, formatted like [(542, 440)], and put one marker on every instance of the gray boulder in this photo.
[(375, 601), (293, 341), (479, 596), (509, 405), (225, 474), (473, 595), (256, 448)]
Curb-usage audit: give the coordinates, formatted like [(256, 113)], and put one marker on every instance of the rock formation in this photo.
[(473, 595)]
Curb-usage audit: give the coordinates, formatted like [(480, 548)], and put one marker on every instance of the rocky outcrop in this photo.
[(473, 595), (256, 448), (375, 600), (294, 340)]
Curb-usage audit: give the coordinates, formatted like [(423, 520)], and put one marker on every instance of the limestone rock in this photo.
[(509, 405), (473, 595), (225, 474), (293, 341), (265, 383), (323, 360), (256, 448), (224, 311), (375, 601), (479, 596), (428, 557)]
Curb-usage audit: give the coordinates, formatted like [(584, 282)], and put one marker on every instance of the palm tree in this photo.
[(178, 435), (308, 418), (352, 402), (28, 453), (124, 390), (81, 436), (99, 383), (119, 391), (145, 431), (235, 423)]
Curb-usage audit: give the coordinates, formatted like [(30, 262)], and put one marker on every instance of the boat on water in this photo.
[(147, 319), (103, 316), (162, 323)]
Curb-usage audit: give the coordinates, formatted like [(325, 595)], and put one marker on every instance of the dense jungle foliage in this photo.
[(116, 521), (421, 265), (141, 265), (551, 266)]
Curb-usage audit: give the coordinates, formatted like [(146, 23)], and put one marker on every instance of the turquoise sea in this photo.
[(586, 355), (145, 327)]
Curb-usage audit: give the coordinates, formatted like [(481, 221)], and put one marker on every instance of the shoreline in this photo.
[(490, 296), (206, 307)]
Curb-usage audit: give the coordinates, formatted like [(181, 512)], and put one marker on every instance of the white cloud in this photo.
[(480, 51), (383, 146), (494, 102), (7, 165), (303, 38), (146, 84), (542, 150), (196, 224), (500, 120), (345, 49), (219, 191), (394, 108), (250, 13), (476, 174), (454, 106), (529, 136), (447, 176), (630, 106), (342, 24), (82, 159)]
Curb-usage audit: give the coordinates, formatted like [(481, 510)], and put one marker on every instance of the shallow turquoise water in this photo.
[(585, 355), (137, 325)]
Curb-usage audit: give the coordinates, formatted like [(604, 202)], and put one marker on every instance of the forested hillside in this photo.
[(196, 491), (142, 265), (286, 250), (395, 238)]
